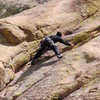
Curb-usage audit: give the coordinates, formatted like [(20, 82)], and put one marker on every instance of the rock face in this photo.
[(51, 79)]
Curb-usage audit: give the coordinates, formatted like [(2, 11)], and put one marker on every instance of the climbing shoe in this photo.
[(33, 61), (59, 56)]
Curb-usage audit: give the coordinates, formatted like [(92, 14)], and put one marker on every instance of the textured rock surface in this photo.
[(51, 79), (65, 76), (88, 92)]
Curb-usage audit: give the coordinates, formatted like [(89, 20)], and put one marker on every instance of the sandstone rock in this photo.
[(12, 33), (9, 75), (23, 33), (62, 79), (2, 73), (89, 91), (6, 75), (23, 57)]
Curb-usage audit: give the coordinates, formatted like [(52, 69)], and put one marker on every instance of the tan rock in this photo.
[(2, 74), (9, 75), (12, 33), (63, 77), (89, 91), (23, 32)]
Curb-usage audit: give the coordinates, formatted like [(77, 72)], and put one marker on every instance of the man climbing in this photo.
[(49, 42)]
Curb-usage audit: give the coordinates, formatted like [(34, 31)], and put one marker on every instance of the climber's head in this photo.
[(59, 34)]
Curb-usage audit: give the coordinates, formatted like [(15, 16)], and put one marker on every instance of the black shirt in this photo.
[(56, 38)]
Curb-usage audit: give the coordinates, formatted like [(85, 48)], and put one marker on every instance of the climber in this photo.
[(49, 42)]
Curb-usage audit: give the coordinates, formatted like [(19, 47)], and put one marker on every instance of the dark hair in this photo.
[(59, 34)]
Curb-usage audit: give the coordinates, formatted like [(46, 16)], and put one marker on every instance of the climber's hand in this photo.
[(72, 45)]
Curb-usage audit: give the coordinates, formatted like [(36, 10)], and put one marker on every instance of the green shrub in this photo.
[(2, 6), (25, 7), (12, 10)]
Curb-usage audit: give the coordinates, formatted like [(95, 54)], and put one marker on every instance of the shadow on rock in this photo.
[(36, 67), (44, 65)]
